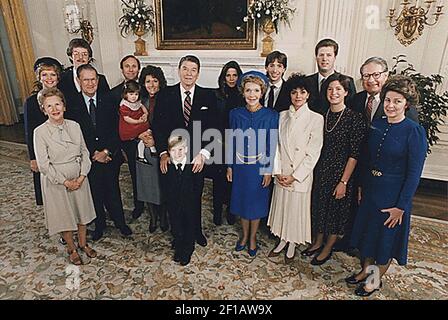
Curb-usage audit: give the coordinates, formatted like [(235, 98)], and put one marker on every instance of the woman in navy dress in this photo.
[(250, 158), (48, 73), (397, 151)]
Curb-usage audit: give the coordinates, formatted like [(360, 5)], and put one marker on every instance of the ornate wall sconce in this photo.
[(75, 22), (412, 19)]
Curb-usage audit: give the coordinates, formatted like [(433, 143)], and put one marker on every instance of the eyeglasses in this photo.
[(80, 54), (375, 75)]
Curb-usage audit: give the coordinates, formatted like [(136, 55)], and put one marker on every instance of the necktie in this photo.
[(187, 108), (321, 83), (92, 111), (271, 97), (179, 170), (369, 108)]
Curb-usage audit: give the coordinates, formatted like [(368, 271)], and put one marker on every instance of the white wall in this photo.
[(343, 20)]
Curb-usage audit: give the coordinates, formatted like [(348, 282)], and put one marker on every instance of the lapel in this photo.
[(59, 135), (295, 125)]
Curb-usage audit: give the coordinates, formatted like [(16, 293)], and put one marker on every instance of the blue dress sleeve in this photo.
[(417, 148)]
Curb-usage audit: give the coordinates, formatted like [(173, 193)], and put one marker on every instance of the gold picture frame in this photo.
[(204, 25)]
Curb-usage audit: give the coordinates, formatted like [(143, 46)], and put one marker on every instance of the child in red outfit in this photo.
[(133, 114)]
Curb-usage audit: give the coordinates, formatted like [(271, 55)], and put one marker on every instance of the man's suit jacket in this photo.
[(359, 104), (318, 100), (105, 134), (168, 115), (116, 93), (68, 87), (283, 100)]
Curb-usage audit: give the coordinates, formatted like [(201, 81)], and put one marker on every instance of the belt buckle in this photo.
[(376, 173)]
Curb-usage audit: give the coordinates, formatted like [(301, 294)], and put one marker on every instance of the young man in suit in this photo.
[(326, 52), (276, 96), (130, 68), (179, 107), (182, 186), (98, 119), (79, 53)]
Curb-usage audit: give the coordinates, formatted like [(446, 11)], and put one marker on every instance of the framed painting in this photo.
[(203, 24)]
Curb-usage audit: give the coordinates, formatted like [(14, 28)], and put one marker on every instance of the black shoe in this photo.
[(231, 219), (125, 230), (361, 291), (164, 225), (308, 253), (201, 240), (176, 257), (136, 213), (316, 262), (62, 241), (352, 280), (173, 245), (217, 220), (184, 261), (97, 235)]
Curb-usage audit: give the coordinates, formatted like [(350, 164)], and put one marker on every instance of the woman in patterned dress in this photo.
[(333, 191)]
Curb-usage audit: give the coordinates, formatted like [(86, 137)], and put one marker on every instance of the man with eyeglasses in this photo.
[(374, 74), (79, 53)]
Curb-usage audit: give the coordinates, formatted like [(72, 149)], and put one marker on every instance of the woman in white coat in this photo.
[(300, 142)]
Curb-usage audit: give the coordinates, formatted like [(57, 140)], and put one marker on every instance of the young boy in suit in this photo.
[(182, 187)]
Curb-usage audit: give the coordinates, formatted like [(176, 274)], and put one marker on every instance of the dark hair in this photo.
[(126, 58), (85, 67), (296, 80), (78, 43), (403, 85), (49, 92), (276, 55), (190, 58), (327, 43), (342, 79), (130, 86), (155, 72), (222, 76)]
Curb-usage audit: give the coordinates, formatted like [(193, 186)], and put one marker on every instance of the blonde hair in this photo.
[(174, 141), (253, 79), (49, 92)]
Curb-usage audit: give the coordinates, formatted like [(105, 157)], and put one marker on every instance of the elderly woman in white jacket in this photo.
[(300, 142)]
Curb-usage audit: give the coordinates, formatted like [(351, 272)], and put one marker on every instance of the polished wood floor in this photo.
[(431, 199)]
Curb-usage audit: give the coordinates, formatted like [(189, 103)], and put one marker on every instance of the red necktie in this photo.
[(187, 108), (369, 108)]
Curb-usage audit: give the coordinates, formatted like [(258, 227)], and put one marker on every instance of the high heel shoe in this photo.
[(239, 246), (308, 253), (353, 281), (361, 291), (317, 262), (253, 252)]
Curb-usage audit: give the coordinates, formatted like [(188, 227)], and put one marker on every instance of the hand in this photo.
[(396, 216), (198, 163), (33, 165), (359, 195), (71, 185), (144, 118), (266, 180), (101, 157), (288, 180), (164, 161), (229, 174), (339, 191), (80, 180), (148, 141)]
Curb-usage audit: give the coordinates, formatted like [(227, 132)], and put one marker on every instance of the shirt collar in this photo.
[(183, 162), (87, 99), (182, 91), (75, 80)]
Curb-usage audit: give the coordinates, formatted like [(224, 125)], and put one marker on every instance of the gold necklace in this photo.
[(326, 120), (256, 109)]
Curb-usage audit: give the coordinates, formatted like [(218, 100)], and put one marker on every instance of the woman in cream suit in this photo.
[(300, 142)]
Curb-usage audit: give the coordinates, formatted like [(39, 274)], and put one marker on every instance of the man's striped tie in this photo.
[(187, 108)]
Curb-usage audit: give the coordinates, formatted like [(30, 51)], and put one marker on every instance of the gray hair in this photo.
[(377, 60)]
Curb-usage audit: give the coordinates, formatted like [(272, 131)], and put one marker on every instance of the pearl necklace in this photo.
[(326, 120)]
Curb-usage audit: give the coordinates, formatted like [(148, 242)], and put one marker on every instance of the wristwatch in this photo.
[(108, 153), (343, 182)]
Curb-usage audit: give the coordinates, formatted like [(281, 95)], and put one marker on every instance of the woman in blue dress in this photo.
[(397, 151), (250, 158)]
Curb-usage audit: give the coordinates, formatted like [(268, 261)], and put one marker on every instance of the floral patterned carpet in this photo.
[(35, 266)]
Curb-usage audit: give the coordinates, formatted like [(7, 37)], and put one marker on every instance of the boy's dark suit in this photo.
[(318, 99), (283, 101), (103, 177), (182, 188), (168, 116)]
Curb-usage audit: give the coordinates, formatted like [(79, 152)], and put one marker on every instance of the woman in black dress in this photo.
[(48, 73), (333, 191)]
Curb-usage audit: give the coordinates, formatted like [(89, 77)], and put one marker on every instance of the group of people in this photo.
[(308, 157)]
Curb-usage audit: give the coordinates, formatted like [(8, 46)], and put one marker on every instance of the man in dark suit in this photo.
[(79, 53), (276, 96), (130, 67), (98, 120), (374, 74), (179, 107), (326, 52)]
